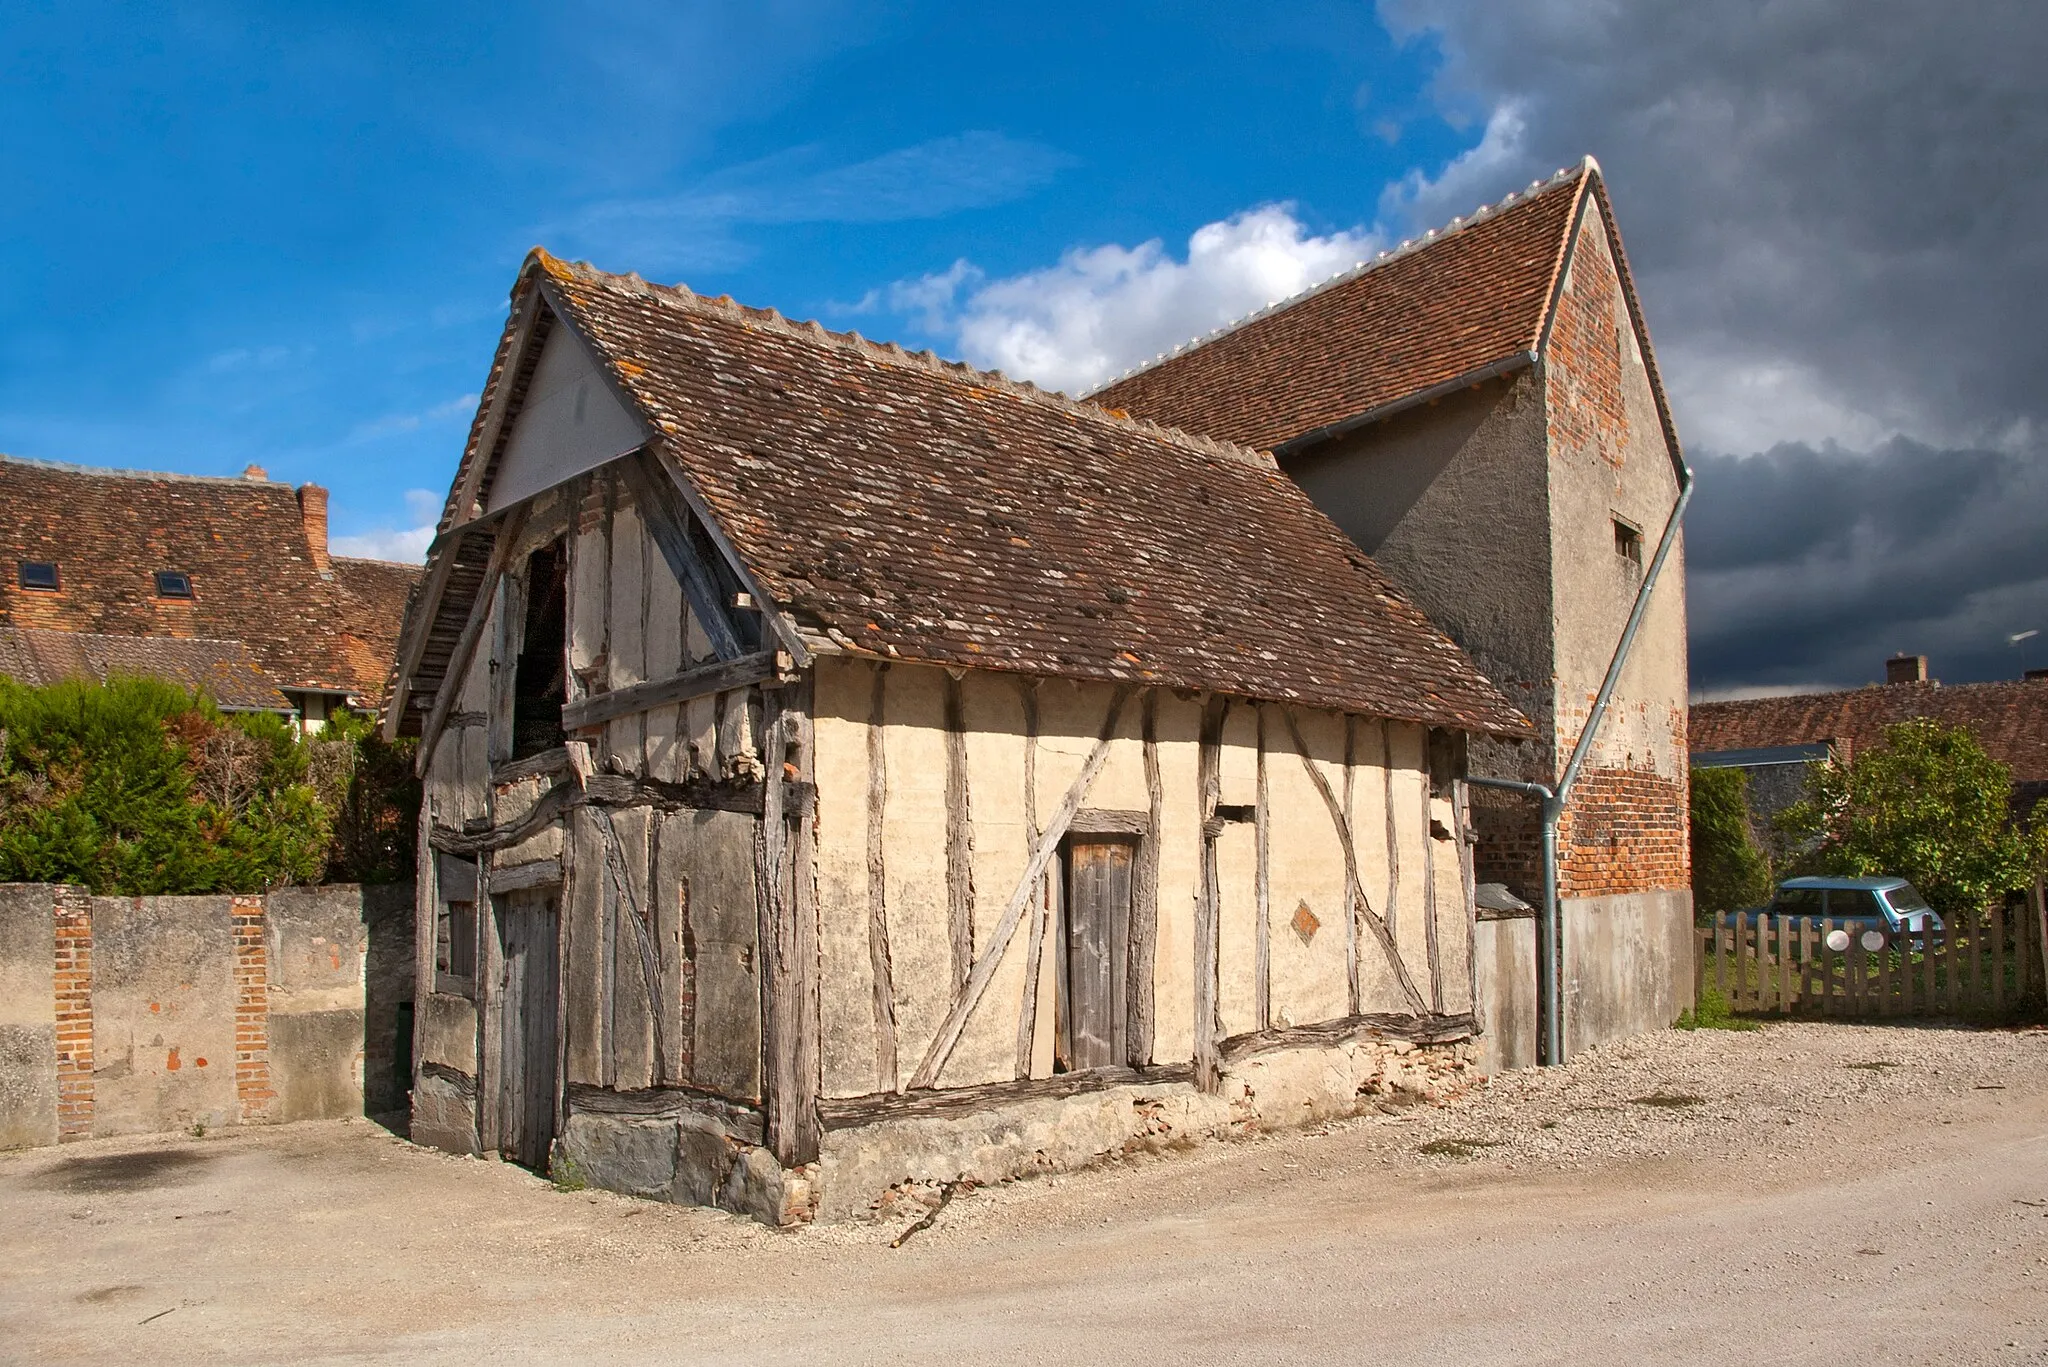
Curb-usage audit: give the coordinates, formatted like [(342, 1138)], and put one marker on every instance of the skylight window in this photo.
[(39, 574), (173, 584)]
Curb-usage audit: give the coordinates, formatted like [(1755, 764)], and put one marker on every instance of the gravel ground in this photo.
[(1834, 1192), (1715, 1093)]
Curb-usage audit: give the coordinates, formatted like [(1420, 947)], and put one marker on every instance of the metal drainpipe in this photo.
[(1549, 939)]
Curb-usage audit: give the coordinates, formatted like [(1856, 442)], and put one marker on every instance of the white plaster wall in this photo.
[(1308, 976)]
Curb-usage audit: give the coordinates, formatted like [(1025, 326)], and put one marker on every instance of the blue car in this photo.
[(1890, 907)]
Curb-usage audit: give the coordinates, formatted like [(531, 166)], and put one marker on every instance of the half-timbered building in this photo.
[(846, 768)]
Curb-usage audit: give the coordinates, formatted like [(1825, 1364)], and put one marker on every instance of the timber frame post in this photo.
[(786, 881), (1208, 903)]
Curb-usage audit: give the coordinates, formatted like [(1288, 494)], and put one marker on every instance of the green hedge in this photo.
[(1729, 871), (135, 787)]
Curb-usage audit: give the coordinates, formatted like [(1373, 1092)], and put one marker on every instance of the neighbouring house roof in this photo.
[(899, 505), (2010, 720), (248, 545), (1445, 310), (224, 670)]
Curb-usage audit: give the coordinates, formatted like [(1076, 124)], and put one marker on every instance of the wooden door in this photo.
[(1098, 929), (527, 925)]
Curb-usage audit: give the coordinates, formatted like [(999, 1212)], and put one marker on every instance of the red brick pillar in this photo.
[(253, 1094), (74, 1014)]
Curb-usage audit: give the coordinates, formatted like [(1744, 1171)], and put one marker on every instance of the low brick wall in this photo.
[(138, 1015)]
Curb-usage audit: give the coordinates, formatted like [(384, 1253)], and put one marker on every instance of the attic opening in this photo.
[(38, 574), (540, 678), (1628, 542), (173, 584)]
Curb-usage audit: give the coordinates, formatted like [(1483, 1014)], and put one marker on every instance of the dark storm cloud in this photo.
[(1810, 566), (1835, 210)]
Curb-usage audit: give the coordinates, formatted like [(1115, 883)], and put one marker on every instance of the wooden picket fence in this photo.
[(1987, 966)]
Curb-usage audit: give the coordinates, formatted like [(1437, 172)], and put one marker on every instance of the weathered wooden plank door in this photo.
[(528, 924), (1098, 928)]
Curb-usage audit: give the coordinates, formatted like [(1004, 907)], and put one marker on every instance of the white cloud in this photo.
[(1481, 173), (1728, 400), (423, 509), (1104, 309)]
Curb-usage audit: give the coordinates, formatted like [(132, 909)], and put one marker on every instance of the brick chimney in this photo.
[(313, 512), (255, 472), (1904, 669)]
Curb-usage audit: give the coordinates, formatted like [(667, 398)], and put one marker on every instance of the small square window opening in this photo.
[(173, 584), (39, 574), (1628, 543)]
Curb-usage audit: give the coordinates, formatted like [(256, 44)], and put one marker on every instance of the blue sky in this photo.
[(283, 234), (287, 240)]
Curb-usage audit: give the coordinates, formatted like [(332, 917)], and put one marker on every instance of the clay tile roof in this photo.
[(1442, 308), (916, 509), (244, 542), (2010, 720), (224, 670)]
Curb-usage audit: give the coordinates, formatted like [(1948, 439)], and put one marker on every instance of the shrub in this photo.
[(135, 787), (1729, 871)]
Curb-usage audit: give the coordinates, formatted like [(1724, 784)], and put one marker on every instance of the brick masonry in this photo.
[(1589, 411), (74, 1014), (253, 1092), (1624, 831)]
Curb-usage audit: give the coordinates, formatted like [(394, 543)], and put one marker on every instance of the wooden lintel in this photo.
[(1421, 1029), (720, 677), (799, 800), (444, 1073), (926, 1103), (546, 764), (1108, 821), (537, 873), (741, 1121)]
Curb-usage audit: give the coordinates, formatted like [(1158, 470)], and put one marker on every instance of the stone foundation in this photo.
[(698, 1159)]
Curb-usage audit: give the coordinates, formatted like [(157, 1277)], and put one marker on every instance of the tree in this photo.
[(1927, 805), (1729, 871)]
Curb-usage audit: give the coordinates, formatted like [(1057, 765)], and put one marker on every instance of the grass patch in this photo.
[(1459, 1148), (1713, 1013), (1668, 1100)]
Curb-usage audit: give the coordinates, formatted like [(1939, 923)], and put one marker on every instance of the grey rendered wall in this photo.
[(201, 1011), (1505, 956), (317, 940), (163, 1021), (1628, 965), (1449, 499), (28, 1015)]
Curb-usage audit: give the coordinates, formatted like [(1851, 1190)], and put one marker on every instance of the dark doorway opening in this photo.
[(540, 683)]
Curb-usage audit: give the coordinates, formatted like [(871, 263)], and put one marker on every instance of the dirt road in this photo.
[(1821, 1194)]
